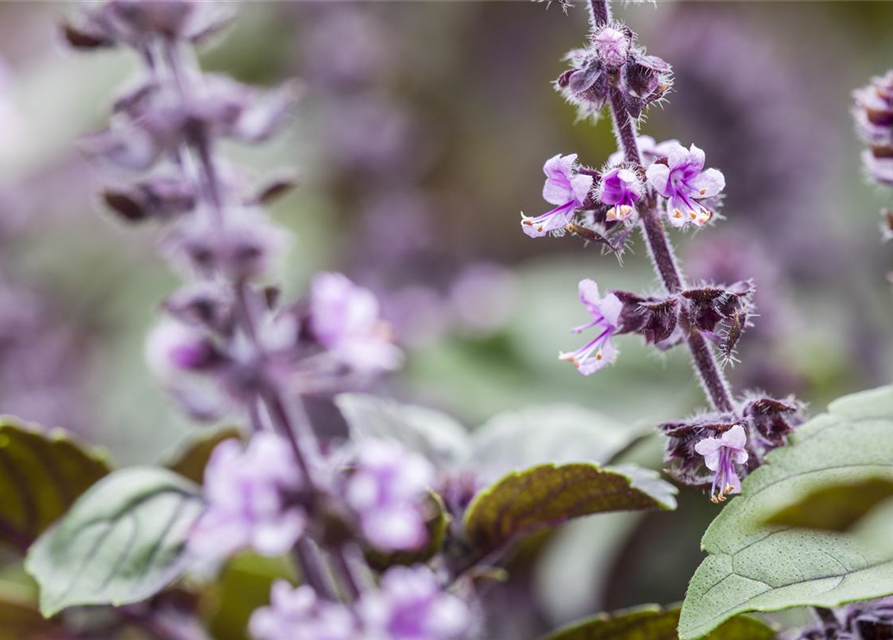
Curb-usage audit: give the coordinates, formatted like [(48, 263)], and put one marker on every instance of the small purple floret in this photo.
[(721, 455), (388, 489), (686, 185), (564, 188), (411, 605), (247, 492), (345, 318), (600, 351), (620, 188)]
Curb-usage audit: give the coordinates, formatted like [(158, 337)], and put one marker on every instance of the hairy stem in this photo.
[(599, 12), (712, 379), (308, 560)]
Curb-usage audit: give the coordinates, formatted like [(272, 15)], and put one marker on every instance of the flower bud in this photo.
[(612, 45)]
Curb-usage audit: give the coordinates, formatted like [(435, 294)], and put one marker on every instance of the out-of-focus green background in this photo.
[(420, 137)]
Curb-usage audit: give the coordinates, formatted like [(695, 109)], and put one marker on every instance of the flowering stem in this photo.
[(347, 571), (311, 569), (712, 379)]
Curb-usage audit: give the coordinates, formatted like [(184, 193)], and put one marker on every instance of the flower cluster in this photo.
[(409, 604), (873, 113), (585, 197), (872, 620), (387, 489), (613, 62), (254, 500), (717, 312), (730, 443)]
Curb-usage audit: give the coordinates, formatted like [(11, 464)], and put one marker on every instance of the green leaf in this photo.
[(753, 567), (549, 433), (548, 495), (834, 507), (243, 586), (437, 524), (121, 542), (20, 620), (652, 622), (191, 460), (435, 435), (41, 474)]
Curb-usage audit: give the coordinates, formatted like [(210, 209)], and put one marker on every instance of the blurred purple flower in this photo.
[(600, 351), (873, 113), (620, 188), (411, 605), (388, 488), (721, 455), (298, 614), (251, 495), (565, 188), (244, 247), (685, 184), (174, 348), (345, 319), (483, 297)]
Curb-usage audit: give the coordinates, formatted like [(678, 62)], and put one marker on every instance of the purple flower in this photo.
[(297, 614), (411, 605), (621, 188), (721, 455), (250, 496), (175, 348), (685, 184), (565, 188), (388, 489), (600, 351), (345, 318)]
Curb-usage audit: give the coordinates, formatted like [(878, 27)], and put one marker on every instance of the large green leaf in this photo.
[(753, 567), (436, 435), (652, 622), (192, 458), (547, 433), (548, 495), (41, 474), (836, 506), (121, 542)]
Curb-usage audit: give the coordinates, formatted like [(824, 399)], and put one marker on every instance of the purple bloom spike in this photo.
[(686, 185), (721, 455), (600, 351), (565, 188)]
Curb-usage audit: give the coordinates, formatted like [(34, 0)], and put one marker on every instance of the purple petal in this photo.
[(611, 308), (659, 177), (709, 183), (735, 438), (589, 295)]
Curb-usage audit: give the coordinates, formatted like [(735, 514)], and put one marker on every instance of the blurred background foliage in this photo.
[(421, 135)]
